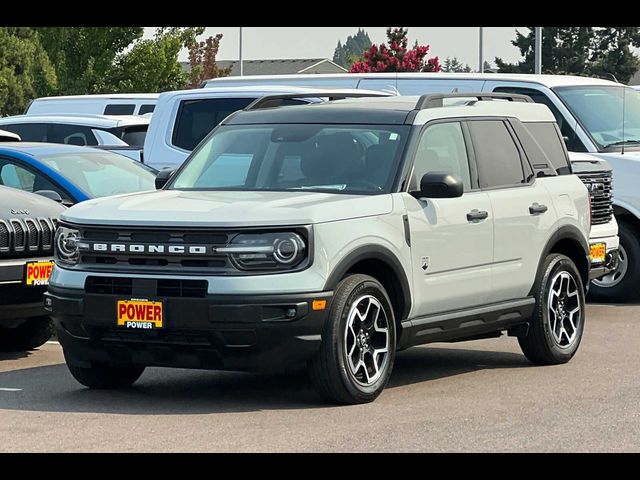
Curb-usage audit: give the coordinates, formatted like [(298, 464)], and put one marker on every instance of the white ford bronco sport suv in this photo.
[(331, 235)]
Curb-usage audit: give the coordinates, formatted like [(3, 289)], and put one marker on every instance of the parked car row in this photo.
[(292, 230)]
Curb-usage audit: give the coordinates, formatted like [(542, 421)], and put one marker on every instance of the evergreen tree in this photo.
[(352, 50), (454, 65), (593, 51)]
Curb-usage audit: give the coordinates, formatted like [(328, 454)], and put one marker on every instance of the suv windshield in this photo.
[(599, 110), (352, 159), (101, 174)]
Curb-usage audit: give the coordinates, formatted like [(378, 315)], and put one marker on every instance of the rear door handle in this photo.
[(537, 209), (475, 214)]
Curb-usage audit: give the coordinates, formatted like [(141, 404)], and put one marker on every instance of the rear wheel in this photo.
[(623, 284), (555, 330), (33, 333), (102, 376), (358, 344)]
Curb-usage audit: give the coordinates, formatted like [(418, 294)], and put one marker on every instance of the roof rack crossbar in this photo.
[(268, 100), (431, 100)]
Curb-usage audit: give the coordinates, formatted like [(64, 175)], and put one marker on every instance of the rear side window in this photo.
[(134, 136), (29, 132), (196, 118), (119, 109), (71, 134), (498, 157), (146, 109), (548, 138)]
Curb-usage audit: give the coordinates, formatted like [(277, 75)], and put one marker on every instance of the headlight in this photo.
[(66, 245), (266, 251)]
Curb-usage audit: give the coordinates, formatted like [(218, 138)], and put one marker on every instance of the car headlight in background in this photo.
[(266, 251), (66, 245)]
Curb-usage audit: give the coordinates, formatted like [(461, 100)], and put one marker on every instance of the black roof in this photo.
[(365, 111)]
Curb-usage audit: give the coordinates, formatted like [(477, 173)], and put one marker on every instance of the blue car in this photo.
[(75, 173)]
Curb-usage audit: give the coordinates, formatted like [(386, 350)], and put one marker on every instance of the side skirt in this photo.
[(466, 324)]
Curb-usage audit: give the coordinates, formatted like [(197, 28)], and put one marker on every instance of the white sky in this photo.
[(312, 42)]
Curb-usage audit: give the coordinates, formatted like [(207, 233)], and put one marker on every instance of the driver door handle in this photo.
[(475, 215), (537, 209)]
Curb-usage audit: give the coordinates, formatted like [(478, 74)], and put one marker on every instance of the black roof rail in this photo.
[(269, 101), (431, 100)]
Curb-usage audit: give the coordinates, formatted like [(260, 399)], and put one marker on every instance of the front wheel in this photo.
[(622, 284), (358, 344), (557, 324), (102, 376), (33, 333)]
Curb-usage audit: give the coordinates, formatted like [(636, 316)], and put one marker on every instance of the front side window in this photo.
[(17, 176), (603, 110), (355, 159), (498, 157), (442, 149)]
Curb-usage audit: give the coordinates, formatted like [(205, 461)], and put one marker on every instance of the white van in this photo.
[(116, 104), (183, 118), (590, 116)]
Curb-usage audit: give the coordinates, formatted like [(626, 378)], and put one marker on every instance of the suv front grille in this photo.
[(600, 188), (146, 287), (27, 236)]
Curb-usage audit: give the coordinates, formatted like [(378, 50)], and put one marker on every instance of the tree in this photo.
[(396, 57), (593, 51), (454, 65), (83, 57), (487, 67), (25, 69), (351, 52), (152, 65), (202, 59)]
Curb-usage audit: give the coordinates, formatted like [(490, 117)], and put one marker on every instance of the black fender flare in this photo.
[(372, 252), (564, 232)]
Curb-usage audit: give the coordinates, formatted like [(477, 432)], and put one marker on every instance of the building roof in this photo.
[(280, 66)]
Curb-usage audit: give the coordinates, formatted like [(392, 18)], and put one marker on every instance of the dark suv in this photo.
[(27, 227)]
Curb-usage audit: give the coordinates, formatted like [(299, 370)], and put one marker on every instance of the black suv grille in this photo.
[(156, 288), (600, 188), (27, 236)]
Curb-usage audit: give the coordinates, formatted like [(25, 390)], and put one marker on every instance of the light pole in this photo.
[(481, 53), (538, 50), (240, 54)]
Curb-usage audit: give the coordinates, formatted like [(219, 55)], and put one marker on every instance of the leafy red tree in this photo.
[(396, 57), (202, 59)]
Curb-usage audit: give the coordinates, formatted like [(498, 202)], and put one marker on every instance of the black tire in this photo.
[(628, 287), (106, 377), (329, 370), (539, 345), (33, 333)]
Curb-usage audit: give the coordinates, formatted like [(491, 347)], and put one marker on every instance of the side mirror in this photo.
[(163, 177), (439, 185), (50, 194)]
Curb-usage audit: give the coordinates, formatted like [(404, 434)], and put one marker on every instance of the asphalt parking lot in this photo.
[(479, 396)]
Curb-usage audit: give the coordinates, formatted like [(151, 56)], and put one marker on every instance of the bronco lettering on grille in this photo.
[(144, 248)]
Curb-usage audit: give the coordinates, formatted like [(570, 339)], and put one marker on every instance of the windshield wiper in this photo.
[(623, 142)]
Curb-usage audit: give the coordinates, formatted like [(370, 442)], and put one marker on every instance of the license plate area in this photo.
[(139, 314), (598, 252), (36, 274)]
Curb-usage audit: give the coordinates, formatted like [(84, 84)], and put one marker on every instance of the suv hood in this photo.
[(226, 209), (15, 203), (588, 163)]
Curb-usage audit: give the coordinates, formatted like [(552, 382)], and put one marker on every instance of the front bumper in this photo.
[(219, 332)]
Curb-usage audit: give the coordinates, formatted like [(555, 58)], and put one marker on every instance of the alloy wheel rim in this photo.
[(565, 309), (366, 340), (614, 278)]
